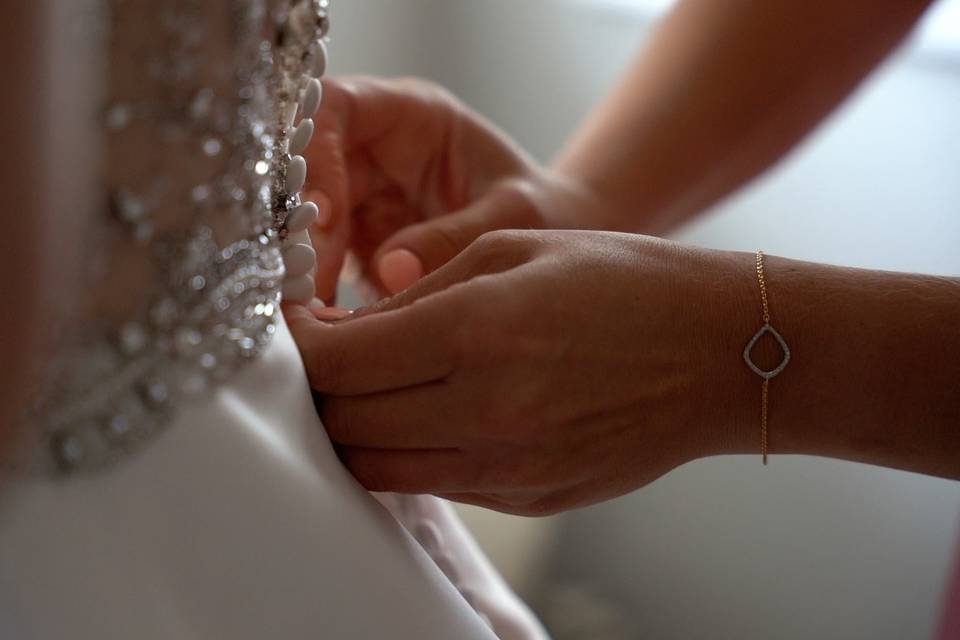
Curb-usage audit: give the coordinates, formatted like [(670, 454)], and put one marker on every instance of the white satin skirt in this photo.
[(240, 523)]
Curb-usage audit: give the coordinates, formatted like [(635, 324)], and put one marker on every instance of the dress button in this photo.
[(298, 289), (296, 175), (299, 259), (318, 65), (302, 217), (300, 138), (312, 96)]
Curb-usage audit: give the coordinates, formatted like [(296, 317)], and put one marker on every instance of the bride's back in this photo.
[(173, 479)]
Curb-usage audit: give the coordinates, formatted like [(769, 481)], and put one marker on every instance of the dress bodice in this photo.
[(183, 266), (173, 479), (239, 523)]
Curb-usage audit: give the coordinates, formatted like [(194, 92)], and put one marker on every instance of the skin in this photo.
[(533, 371), (21, 126)]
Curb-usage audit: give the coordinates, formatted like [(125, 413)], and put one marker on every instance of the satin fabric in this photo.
[(238, 522)]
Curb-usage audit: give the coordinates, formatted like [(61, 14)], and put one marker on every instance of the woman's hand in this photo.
[(540, 370), (406, 177)]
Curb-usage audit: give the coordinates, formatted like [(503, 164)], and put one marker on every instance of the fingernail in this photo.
[(325, 213), (331, 314), (399, 269), (323, 217)]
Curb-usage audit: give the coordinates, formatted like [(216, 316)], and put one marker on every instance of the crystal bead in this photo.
[(133, 338), (212, 146), (208, 361), (187, 339), (201, 194), (118, 426), (69, 450), (143, 231), (193, 383), (155, 394), (200, 105), (128, 207), (164, 313), (118, 116)]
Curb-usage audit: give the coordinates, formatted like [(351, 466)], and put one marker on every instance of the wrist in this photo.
[(727, 397), (564, 201)]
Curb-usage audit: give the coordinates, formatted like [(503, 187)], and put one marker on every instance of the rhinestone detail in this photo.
[(748, 358), (211, 305)]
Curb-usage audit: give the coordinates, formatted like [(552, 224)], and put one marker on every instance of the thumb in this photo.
[(421, 248)]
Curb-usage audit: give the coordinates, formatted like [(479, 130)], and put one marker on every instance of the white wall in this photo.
[(722, 548)]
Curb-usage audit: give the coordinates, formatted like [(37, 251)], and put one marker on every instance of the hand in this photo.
[(539, 371), (406, 177)]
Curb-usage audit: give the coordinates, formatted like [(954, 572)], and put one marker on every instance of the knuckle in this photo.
[(424, 89), (520, 196), (448, 237), (493, 251), (492, 240), (504, 244)]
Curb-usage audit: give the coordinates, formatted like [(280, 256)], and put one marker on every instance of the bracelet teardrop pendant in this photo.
[(747, 356)]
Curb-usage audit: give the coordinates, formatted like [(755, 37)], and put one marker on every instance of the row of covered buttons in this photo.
[(298, 254)]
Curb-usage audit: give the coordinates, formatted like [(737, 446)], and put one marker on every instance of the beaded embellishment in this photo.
[(207, 230)]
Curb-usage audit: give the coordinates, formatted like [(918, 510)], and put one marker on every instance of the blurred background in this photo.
[(721, 548)]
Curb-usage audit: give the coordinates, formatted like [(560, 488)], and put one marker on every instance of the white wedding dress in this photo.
[(175, 480)]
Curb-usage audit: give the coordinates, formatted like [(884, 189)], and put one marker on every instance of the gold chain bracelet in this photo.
[(773, 373)]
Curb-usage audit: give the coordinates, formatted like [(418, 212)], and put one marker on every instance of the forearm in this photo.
[(721, 92), (875, 369)]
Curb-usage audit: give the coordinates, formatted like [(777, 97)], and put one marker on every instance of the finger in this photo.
[(476, 267), (409, 471), (367, 109), (523, 504), (399, 348), (422, 248), (477, 500), (427, 416), (330, 243), (337, 180), (328, 181)]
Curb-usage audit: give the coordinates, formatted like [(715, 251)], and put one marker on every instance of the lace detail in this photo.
[(202, 96)]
